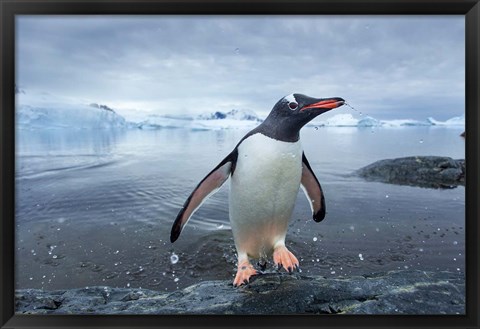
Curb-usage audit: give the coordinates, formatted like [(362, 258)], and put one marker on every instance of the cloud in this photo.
[(391, 67)]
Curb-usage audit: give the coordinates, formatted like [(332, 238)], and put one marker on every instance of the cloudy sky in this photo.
[(388, 67)]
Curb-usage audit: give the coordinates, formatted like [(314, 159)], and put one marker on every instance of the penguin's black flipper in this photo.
[(207, 187), (313, 191)]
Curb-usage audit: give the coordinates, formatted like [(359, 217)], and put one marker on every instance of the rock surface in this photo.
[(396, 292), (423, 171)]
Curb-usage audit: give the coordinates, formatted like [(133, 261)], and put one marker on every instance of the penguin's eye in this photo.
[(293, 105)]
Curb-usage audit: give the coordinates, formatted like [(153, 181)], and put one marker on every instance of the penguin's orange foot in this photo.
[(282, 257), (244, 272)]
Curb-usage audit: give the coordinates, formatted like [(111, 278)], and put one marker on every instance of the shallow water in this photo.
[(96, 208)]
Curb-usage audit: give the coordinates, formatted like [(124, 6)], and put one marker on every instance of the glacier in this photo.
[(234, 119), (45, 111)]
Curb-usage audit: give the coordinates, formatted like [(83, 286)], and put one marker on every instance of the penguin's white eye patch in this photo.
[(293, 105)]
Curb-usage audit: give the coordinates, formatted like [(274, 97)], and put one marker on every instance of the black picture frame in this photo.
[(11, 8)]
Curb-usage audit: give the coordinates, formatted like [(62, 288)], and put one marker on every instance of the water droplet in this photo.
[(377, 229), (176, 280), (116, 252), (128, 284), (458, 269), (386, 196), (352, 228), (316, 128), (237, 51), (219, 226), (360, 256), (333, 272), (174, 259), (54, 256), (31, 279), (314, 239), (421, 141), (455, 242)]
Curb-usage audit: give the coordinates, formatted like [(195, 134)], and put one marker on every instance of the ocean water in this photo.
[(96, 207)]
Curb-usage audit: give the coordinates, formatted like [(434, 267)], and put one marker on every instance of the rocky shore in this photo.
[(395, 292), (422, 171)]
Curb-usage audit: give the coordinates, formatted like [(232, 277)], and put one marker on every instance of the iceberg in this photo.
[(203, 122), (369, 122), (48, 112), (348, 120), (45, 111), (154, 121), (455, 121), (338, 120), (404, 123)]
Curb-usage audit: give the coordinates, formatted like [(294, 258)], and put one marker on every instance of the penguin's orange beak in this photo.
[(326, 103)]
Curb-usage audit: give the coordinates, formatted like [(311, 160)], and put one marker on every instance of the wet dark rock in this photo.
[(396, 292), (423, 171)]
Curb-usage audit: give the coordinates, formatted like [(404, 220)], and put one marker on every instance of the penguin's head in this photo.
[(294, 111), (305, 106)]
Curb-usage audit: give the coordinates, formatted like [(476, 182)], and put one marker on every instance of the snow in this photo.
[(455, 121), (159, 122), (233, 114), (348, 120), (46, 111), (340, 120)]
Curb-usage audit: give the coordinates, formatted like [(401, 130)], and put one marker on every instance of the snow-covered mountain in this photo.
[(48, 112), (233, 114), (34, 111)]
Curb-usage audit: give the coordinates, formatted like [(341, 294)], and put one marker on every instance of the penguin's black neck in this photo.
[(281, 131), (285, 128)]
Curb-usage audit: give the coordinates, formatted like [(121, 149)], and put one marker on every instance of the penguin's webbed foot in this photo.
[(282, 257), (244, 272)]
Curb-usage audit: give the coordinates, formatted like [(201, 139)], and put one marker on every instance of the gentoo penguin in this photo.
[(267, 168)]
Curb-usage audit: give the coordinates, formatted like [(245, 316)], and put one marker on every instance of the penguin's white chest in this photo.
[(263, 191)]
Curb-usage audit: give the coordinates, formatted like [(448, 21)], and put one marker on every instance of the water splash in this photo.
[(174, 259), (350, 106)]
